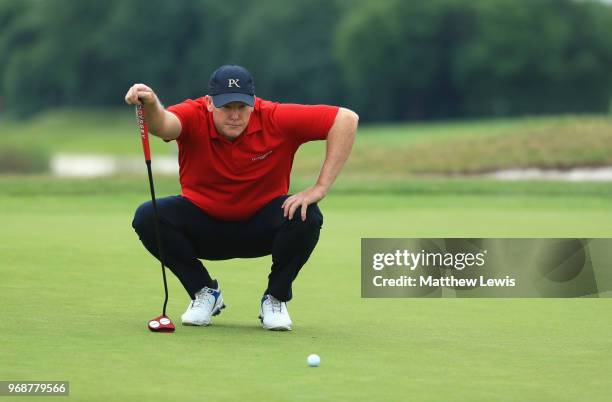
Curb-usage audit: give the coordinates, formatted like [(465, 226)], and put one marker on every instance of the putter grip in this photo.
[(144, 132)]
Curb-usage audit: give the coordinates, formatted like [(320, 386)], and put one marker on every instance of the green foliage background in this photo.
[(389, 59)]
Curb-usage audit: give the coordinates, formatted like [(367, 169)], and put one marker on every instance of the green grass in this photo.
[(97, 131), (474, 146), (77, 289), (398, 150)]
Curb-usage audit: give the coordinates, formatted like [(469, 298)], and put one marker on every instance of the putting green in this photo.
[(77, 289)]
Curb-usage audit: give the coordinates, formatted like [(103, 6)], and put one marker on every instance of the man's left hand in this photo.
[(302, 200)]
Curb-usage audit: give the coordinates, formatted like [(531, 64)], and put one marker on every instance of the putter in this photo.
[(161, 323)]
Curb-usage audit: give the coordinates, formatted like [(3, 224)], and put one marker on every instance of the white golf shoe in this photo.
[(274, 315), (208, 303)]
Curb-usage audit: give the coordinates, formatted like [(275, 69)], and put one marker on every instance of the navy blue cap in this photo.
[(231, 83)]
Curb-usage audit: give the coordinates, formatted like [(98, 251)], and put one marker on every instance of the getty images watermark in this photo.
[(409, 260), (486, 267), (34, 388)]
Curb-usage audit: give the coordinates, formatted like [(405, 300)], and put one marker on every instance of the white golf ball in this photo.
[(313, 360)]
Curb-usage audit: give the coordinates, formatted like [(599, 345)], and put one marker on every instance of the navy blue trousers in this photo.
[(189, 234)]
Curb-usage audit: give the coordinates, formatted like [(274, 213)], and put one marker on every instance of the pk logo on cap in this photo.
[(231, 83)]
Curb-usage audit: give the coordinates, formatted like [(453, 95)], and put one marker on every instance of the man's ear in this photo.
[(209, 104)]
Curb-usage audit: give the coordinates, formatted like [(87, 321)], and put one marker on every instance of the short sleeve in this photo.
[(187, 113), (305, 122)]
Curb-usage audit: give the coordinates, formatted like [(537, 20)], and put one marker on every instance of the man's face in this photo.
[(230, 120)]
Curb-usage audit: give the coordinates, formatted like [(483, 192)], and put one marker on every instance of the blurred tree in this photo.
[(545, 56), (288, 48), (170, 46), (88, 52), (206, 45), (45, 47), (389, 59), (398, 56), (447, 58)]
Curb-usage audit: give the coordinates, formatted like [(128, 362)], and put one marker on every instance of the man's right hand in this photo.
[(161, 123), (139, 94)]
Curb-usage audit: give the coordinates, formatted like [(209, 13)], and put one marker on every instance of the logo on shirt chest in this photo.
[(262, 156)]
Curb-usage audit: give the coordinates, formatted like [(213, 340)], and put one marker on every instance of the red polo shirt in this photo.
[(231, 180)]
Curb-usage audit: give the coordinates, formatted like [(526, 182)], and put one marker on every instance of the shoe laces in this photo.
[(202, 299), (275, 304)]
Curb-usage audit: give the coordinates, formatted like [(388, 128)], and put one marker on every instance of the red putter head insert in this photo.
[(161, 324)]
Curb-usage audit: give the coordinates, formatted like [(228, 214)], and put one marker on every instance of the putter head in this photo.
[(161, 324)]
